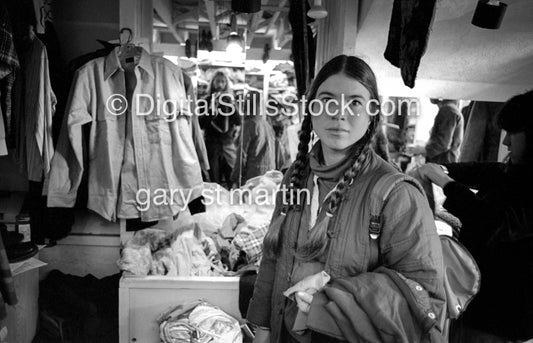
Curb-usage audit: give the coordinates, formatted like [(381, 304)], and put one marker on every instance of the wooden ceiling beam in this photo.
[(253, 23), (164, 9), (223, 15), (275, 16), (280, 34), (192, 14), (211, 14)]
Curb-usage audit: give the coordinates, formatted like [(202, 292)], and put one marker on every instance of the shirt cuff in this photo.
[(60, 200)]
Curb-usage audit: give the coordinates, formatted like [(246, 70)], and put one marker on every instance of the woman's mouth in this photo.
[(337, 130)]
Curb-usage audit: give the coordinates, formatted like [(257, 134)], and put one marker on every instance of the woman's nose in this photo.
[(507, 140), (334, 110)]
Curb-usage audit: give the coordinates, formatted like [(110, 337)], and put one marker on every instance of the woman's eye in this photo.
[(355, 103)]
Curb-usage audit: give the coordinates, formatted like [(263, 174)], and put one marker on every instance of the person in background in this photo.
[(279, 123), (380, 143), (221, 123), (446, 135), (326, 237), (256, 153), (497, 229)]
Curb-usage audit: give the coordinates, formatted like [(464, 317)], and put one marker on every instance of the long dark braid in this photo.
[(302, 158), (274, 236)]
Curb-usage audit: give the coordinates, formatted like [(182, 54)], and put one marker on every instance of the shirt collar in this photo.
[(112, 63)]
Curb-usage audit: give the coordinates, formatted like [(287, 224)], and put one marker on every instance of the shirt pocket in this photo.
[(158, 127), (105, 132)]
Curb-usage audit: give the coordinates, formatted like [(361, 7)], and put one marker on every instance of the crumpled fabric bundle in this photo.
[(242, 241), (191, 258), (135, 260), (198, 322), (232, 224), (311, 283), (215, 325), (179, 331), (255, 201), (184, 252), (136, 256), (260, 205), (315, 281), (174, 326), (250, 240), (164, 263)]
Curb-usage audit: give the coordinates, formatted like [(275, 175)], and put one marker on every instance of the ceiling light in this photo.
[(234, 43), (489, 14), (234, 39), (317, 11)]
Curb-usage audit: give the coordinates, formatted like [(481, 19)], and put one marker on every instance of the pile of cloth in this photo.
[(225, 240), (198, 322), (254, 201), (189, 251), (184, 252), (240, 244), (239, 219)]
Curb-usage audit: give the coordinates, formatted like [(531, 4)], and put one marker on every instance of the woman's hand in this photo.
[(262, 336), (435, 174), (304, 299), (304, 290)]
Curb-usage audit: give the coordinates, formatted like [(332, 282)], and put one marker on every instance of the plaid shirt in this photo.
[(9, 63), (250, 240)]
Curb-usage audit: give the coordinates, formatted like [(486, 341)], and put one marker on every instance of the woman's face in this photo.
[(516, 144), (339, 112), (219, 83)]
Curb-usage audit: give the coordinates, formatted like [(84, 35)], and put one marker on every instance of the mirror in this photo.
[(245, 57)]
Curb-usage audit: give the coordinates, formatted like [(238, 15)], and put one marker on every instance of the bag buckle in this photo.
[(375, 227)]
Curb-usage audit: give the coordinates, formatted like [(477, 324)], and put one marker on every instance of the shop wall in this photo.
[(80, 23)]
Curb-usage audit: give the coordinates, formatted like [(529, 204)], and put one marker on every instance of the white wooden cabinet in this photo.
[(143, 298)]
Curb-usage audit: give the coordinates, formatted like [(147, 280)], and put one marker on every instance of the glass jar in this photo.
[(22, 226)]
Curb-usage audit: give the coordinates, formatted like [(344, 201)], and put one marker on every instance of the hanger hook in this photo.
[(124, 29)]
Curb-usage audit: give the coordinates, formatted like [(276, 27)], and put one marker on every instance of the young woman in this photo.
[(325, 235), (497, 228), (221, 122)]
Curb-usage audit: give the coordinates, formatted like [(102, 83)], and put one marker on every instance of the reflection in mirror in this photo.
[(214, 45), (270, 85), (221, 82), (273, 81)]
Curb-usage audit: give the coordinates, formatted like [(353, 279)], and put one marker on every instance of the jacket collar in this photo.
[(112, 63)]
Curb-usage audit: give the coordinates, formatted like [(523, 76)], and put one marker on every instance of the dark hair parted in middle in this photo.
[(355, 68)]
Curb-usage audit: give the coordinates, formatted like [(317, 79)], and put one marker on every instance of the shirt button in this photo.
[(431, 315), (419, 288)]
